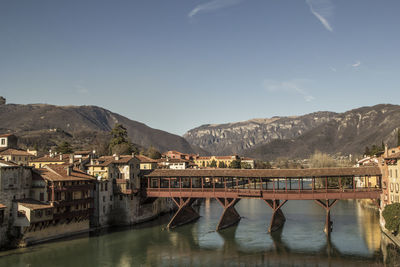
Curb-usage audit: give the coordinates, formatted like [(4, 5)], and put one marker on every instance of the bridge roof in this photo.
[(267, 173)]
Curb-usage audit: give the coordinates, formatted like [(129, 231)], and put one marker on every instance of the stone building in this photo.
[(60, 204), (15, 183), (117, 195)]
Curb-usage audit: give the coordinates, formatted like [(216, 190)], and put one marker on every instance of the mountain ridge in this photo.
[(74, 120), (299, 136)]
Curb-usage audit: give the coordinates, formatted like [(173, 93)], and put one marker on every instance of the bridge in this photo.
[(275, 186)]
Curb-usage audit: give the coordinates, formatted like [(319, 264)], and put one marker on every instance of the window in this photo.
[(41, 197), (397, 187), (396, 173), (106, 185), (104, 209), (3, 141), (120, 197), (110, 198), (390, 173), (101, 187), (104, 198)]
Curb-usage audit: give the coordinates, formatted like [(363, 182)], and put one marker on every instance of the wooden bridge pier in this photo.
[(327, 205), (277, 219), (230, 216), (185, 213)]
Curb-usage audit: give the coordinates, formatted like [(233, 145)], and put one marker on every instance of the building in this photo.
[(392, 175), (172, 154), (15, 183), (8, 141), (247, 162), (146, 163), (176, 164), (219, 160), (60, 204), (18, 156)]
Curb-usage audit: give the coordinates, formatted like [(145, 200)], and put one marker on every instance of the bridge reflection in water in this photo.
[(274, 186)]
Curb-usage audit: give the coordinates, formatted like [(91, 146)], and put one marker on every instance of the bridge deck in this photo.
[(302, 184)]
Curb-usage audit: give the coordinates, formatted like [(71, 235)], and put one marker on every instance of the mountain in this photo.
[(48, 124), (299, 136)]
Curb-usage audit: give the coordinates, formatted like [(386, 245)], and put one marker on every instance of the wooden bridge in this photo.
[(274, 186)]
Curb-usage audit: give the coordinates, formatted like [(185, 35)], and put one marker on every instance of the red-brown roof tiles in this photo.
[(267, 173), (15, 152), (33, 204), (59, 173)]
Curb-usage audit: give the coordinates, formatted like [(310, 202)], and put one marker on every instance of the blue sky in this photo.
[(177, 64)]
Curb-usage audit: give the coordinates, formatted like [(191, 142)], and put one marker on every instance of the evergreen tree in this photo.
[(235, 164), (367, 152), (64, 148), (119, 143), (213, 164), (391, 214)]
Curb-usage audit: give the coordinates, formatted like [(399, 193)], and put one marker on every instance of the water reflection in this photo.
[(355, 241)]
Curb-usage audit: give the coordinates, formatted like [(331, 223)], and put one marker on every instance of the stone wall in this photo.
[(51, 232)]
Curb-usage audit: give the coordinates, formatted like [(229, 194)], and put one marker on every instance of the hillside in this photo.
[(45, 125), (300, 136)]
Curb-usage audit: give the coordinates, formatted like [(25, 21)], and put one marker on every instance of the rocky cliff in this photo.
[(299, 136)]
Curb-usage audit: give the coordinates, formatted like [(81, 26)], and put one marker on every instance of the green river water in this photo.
[(356, 240)]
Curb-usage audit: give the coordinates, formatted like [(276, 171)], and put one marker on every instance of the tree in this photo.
[(153, 153), (391, 214), (64, 148), (213, 164), (119, 143), (322, 160), (245, 165), (203, 163), (258, 164), (235, 164), (367, 152), (221, 164)]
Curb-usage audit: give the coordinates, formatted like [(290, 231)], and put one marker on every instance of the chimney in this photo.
[(386, 150), (116, 157), (69, 170), (61, 156), (71, 159)]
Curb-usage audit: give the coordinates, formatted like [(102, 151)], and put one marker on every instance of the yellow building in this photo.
[(146, 163), (392, 161), (17, 156), (206, 161), (46, 160)]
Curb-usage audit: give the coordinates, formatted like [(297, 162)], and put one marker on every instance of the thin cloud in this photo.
[(293, 86), (213, 5), (80, 89), (333, 69), (356, 65), (322, 10)]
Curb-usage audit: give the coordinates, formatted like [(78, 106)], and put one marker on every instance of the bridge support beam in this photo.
[(277, 219), (327, 205), (185, 213), (230, 216)]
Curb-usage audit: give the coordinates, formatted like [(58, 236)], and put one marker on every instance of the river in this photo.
[(356, 240)]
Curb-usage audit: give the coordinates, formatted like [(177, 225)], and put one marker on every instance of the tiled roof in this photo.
[(271, 173), (393, 156), (5, 135), (55, 172), (8, 163), (144, 159), (15, 152), (33, 204), (51, 159)]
